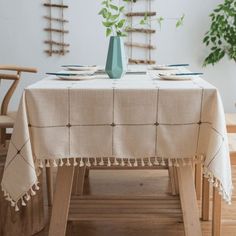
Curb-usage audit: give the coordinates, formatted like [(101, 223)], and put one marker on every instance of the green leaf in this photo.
[(142, 22), (159, 21), (108, 31), (101, 11), (122, 8), (205, 39), (114, 7), (114, 17), (123, 34), (121, 23), (145, 16), (108, 24), (180, 21)]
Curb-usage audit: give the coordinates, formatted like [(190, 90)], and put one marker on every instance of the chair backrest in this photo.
[(12, 77)]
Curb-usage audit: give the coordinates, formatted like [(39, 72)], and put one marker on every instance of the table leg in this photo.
[(61, 201), (205, 199), (192, 226), (176, 181), (198, 180), (49, 182), (216, 213), (172, 180), (78, 183)]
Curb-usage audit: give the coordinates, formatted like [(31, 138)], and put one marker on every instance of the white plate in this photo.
[(163, 67), (83, 72), (81, 68), (176, 77), (77, 77)]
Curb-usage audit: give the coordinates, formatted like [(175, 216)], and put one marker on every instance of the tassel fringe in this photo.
[(124, 162), (23, 199)]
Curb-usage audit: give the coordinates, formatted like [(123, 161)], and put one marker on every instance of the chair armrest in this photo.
[(9, 76), (18, 68)]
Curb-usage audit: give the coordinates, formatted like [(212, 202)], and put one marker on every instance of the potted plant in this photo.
[(221, 37), (115, 24)]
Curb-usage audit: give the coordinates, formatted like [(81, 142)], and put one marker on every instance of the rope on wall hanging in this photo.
[(56, 28), (147, 31)]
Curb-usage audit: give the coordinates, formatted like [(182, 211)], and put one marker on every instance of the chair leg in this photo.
[(49, 181), (216, 213), (198, 180), (3, 136), (87, 172), (69, 228)]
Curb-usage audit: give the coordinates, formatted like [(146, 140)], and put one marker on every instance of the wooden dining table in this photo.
[(136, 121)]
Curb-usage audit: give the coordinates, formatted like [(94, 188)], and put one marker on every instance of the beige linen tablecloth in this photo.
[(86, 122)]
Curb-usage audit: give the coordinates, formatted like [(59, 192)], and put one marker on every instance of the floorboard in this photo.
[(139, 182)]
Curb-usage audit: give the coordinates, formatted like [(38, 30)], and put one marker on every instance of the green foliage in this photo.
[(146, 21), (113, 17), (221, 37), (180, 21), (115, 21), (159, 21)]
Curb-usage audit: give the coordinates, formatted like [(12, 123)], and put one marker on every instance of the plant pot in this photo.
[(116, 64)]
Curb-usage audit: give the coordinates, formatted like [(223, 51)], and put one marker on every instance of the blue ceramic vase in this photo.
[(116, 64)]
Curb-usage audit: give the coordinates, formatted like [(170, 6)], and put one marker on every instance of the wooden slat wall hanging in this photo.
[(56, 28), (138, 61), (55, 5), (60, 52), (146, 31), (141, 30), (140, 45), (56, 19), (56, 43), (131, 14)]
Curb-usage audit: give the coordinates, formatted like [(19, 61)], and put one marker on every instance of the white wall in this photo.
[(22, 36)]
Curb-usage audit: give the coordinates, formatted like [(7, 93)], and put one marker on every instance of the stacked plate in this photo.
[(81, 67), (167, 67), (76, 72), (75, 75)]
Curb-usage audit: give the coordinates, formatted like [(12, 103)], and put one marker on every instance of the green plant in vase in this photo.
[(221, 37), (115, 23)]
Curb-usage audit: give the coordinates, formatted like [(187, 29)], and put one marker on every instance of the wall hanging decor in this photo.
[(56, 28), (143, 33)]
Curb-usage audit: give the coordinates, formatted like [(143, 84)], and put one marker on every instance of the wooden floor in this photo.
[(139, 182)]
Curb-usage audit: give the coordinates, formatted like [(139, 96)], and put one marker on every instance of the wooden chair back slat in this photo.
[(12, 77)]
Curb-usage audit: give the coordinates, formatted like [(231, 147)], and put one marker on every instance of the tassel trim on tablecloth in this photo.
[(112, 161), (24, 198), (218, 185), (123, 162)]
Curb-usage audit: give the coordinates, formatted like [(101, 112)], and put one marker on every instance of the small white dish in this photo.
[(82, 72), (77, 77), (175, 77), (81, 68), (163, 67)]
